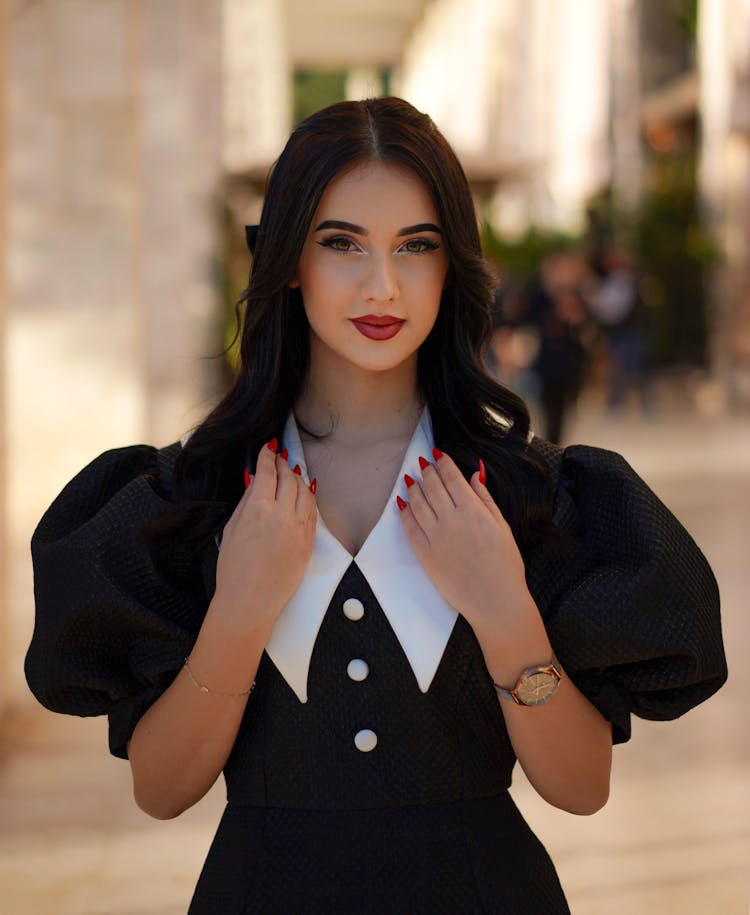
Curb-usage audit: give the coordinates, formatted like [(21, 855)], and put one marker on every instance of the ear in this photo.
[(294, 283)]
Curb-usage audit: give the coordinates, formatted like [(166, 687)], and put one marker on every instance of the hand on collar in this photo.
[(420, 617)]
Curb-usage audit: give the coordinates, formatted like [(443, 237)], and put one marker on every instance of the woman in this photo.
[(408, 595)]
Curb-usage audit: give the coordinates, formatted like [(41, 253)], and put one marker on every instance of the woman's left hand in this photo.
[(468, 550)]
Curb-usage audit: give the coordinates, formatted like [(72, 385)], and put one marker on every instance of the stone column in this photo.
[(113, 158), (177, 89), (4, 590), (724, 65)]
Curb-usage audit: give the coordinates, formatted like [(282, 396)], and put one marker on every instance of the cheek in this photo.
[(326, 280), (427, 284)]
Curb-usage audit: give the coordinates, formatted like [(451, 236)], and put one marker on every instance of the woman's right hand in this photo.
[(266, 544), (183, 741)]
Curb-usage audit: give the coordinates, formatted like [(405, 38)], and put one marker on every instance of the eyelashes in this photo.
[(345, 245), (338, 243), (423, 243)]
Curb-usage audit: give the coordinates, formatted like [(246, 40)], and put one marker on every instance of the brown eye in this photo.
[(419, 246), (338, 243)]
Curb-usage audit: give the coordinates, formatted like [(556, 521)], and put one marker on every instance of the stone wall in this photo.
[(113, 161)]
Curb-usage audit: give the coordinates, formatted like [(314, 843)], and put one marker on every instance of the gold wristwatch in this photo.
[(535, 686)]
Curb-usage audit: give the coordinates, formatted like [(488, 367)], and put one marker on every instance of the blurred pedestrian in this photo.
[(557, 310), (619, 309)]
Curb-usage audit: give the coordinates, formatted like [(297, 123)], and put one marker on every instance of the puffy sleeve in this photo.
[(113, 621), (630, 603)]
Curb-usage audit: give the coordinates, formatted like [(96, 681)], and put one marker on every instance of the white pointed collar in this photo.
[(420, 617)]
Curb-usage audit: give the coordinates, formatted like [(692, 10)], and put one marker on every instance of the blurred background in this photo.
[(607, 143)]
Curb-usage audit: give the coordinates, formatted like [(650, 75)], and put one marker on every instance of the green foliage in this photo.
[(315, 89), (686, 19), (518, 259), (672, 253)]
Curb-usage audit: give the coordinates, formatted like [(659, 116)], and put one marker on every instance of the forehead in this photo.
[(377, 192)]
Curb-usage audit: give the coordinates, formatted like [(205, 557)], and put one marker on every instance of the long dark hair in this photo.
[(472, 415)]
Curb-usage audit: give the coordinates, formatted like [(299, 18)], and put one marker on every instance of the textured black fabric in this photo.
[(112, 627), (444, 745), (423, 822), (629, 601), (442, 859)]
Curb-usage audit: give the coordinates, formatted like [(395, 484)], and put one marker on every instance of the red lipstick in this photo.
[(378, 327)]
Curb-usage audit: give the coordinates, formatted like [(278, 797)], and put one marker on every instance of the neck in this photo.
[(355, 407)]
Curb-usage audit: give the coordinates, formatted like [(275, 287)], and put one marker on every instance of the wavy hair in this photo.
[(471, 413)]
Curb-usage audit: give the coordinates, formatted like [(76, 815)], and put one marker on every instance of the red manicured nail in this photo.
[(284, 454), (482, 472), (408, 480), (247, 478), (272, 445), (423, 462), (401, 504), (437, 453), (297, 470), (314, 485)]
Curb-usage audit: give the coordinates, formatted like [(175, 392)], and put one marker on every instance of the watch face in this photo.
[(537, 689)]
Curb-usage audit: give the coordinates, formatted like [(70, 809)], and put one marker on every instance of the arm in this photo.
[(181, 744), (467, 549), (565, 746)]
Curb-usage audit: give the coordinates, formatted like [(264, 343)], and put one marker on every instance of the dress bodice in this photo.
[(367, 735)]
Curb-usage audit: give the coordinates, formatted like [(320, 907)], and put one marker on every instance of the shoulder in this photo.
[(123, 476)]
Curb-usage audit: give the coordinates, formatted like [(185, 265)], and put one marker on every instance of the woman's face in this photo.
[(372, 268)]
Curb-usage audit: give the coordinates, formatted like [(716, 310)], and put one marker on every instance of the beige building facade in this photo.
[(123, 116), (505, 83), (112, 160), (724, 105)]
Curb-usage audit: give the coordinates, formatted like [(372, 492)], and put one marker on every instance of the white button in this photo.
[(354, 609), (365, 740), (357, 669)]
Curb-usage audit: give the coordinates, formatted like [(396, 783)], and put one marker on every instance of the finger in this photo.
[(305, 505), (486, 496), (420, 505), (264, 484), (249, 480), (286, 483), (435, 490), (452, 478), (417, 537)]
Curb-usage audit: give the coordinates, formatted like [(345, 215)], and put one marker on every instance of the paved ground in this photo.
[(675, 835)]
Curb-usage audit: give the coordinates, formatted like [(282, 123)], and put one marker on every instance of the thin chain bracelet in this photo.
[(211, 692)]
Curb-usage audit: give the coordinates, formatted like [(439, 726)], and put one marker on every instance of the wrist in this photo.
[(510, 650), (536, 684), (235, 619)]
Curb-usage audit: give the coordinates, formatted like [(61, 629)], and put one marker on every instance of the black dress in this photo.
[(316, 820)]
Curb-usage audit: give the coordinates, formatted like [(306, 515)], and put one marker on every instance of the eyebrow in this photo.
[(360, 230)]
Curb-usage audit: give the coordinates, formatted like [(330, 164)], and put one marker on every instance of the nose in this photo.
[(380, 282)]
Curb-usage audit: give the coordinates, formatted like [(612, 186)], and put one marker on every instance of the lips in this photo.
[(378, 327)]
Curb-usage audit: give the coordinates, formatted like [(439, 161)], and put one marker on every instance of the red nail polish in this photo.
[(247, 478), (314, 485), (437, 453), (284, 454), (482, 472), (297, 470), (408, 480), (401, 504), (423, 462), (272, 445)]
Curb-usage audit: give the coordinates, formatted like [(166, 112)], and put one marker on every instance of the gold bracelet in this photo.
[(211, 692)]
